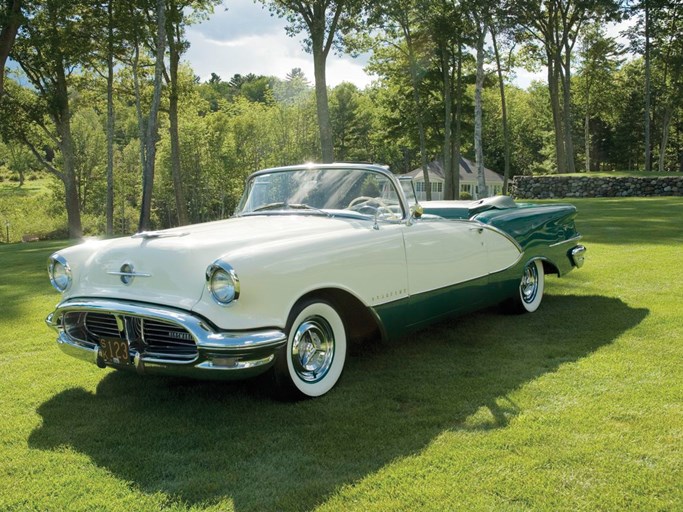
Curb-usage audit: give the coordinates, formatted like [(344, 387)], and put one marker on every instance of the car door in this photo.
[(447, 266)]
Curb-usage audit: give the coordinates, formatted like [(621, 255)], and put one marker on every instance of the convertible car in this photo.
[(314, 257)]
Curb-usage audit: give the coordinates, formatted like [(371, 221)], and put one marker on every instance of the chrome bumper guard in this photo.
[(220, 354), (578, 255)]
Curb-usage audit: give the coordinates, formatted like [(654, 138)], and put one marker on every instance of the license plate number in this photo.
[(114, 351)]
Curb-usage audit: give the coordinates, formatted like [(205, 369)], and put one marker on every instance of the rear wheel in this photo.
[(530, 293), (314, 357)]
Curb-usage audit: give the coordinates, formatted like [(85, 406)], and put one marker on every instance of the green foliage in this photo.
[(30, 209)]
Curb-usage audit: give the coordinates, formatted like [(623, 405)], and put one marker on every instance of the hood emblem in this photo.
[(127, 273)]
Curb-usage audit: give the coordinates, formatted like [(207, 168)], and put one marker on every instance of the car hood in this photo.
[(170, 265)]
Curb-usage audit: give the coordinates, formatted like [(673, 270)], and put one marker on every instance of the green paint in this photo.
[(429, 307)]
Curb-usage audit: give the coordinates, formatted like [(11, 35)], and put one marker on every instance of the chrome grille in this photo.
[(166, 337), (102, 325), (149, 337)]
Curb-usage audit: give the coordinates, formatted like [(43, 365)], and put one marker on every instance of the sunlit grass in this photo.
[(576, 407)]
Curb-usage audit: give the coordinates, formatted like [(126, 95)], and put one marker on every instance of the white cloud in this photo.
[(247, 39)]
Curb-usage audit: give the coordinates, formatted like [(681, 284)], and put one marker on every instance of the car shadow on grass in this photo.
[(205, 443)]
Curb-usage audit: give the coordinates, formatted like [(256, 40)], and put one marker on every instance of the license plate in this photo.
[(114, 351)]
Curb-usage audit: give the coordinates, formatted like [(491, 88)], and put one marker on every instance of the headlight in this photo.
[(222, 282), (59, 272)]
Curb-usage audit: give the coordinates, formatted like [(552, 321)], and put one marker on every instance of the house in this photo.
[(468, 180)]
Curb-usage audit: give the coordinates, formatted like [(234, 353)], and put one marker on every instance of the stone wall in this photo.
[(549, 187)]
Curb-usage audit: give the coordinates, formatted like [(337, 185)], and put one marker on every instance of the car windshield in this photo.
[(326, 191)]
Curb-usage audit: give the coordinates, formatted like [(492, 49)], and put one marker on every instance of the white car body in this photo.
[(370, 268)]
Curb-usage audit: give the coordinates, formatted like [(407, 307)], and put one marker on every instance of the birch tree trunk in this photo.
[(174, 58), (110, 119), (447, 145), (646, 114), (457, 135), (503, 105), (478, 111), (153, 123), (554, 89), (666, 125)]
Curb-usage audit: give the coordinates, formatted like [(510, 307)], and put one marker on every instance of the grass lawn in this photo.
[(578, 406)]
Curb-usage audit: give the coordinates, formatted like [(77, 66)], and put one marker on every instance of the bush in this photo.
[(29, 215), (465, 196)]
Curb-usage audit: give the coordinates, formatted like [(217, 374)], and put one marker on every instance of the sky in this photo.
[(242, 37)]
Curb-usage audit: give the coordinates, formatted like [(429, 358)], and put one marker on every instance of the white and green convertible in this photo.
[(315, 257)]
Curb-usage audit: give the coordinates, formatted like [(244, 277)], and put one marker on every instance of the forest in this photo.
[(96, 99)]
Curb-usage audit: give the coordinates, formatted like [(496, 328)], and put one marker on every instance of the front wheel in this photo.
[(315, 354), (531, 286)]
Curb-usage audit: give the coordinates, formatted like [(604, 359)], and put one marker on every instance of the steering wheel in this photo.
[(381, 207)]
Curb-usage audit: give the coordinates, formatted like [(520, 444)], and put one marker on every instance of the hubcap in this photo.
[(529, 284), (313, 349)]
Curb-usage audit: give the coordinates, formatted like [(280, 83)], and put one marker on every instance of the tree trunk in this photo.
[(417, 103), (648, 150), (666, 124), (63, 124), (447, 144), (322, 105), (587, 137), (457, 136), (152, 126), (503, 105), (478, 113), (110, 120), (567, 112), (181, 205), (7, 36), (554, 90), (138, 104)]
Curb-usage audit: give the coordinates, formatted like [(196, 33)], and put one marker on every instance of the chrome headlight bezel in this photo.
[(223, 283), (60, 273)]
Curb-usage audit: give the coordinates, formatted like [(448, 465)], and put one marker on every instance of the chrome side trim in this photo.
[(568, 241), (130, 274)]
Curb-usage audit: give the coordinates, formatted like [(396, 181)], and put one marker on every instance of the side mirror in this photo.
[(416, 212)]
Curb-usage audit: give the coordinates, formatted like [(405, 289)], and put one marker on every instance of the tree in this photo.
[(176, 19), (400, 21), (556, 25), (599, 63), (150, 137), (48, 49), (10, 20), (482, 16), (325, 22), (667, 54)]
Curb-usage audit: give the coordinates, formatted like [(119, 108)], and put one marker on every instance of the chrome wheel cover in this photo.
[(529, 286), (312, 349)]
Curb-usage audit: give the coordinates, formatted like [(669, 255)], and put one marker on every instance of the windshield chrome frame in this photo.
[(378, 169)]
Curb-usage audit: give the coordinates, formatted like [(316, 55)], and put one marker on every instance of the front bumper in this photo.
[(218, 355)]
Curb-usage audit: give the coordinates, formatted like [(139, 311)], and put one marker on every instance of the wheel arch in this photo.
[(549, 267), (360, 321)]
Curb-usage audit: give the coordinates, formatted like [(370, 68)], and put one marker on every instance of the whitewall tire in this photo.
[(531, 287), (314, 357)]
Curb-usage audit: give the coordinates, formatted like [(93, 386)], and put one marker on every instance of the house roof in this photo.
[(468, 172)]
